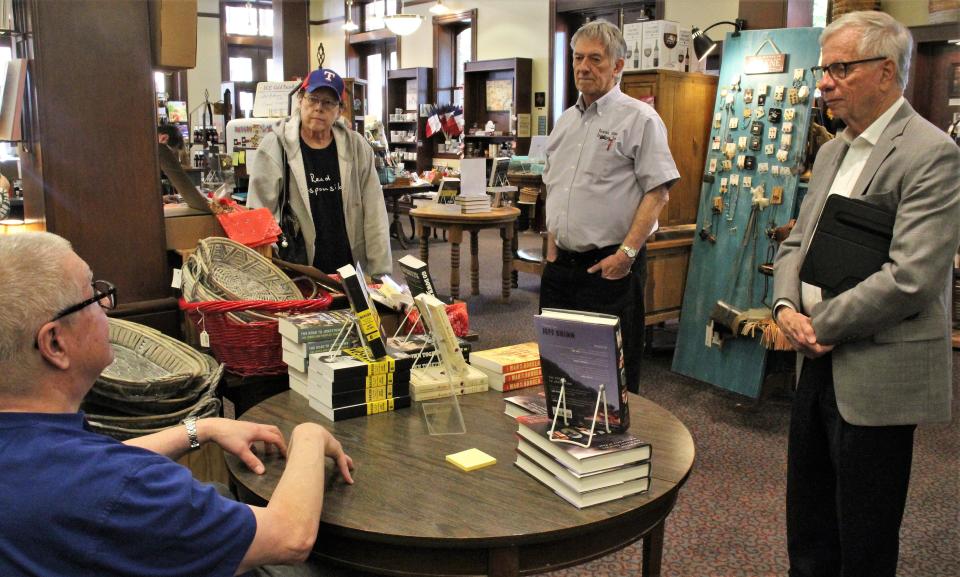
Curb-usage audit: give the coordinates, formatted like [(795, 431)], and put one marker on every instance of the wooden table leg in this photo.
[(506, 233), (455, 238), (503, 562), (474, 263), (424, 233), (396, 226), (653, 551)]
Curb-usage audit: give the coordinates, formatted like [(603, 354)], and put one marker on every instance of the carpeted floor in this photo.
[(729, 518)]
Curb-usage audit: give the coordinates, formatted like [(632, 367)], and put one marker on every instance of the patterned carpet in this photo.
[(729, 518)]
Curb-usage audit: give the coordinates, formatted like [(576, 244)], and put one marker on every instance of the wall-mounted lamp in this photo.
[(350, 25), (402, 24), (703, 45)]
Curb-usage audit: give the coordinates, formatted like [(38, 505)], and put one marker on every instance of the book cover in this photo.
[(344, 385), (308, 348), (356, 362), (335, 400), (581, 500), (361, 410), (582, 352), (607, 450), (507, 359), (417, 275), (584, 483), (529, 404), (316, 326), (471, 459), (368, 320), (434, 315), (515, 380)]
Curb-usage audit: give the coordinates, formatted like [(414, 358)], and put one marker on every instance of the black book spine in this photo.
[(369, 395), (368, 320), (346, 385), (373, 408)]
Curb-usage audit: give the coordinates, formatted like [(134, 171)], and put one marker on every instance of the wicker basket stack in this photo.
[(155, 382), (841, 7)]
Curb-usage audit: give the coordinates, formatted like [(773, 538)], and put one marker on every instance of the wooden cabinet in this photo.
[(408, 89), (355, 107), (685, 103), (496, 90)]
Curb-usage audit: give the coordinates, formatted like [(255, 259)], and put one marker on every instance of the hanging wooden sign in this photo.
[(765, 63)]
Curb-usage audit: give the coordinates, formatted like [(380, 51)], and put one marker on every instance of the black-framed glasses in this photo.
[(324, 103), (839, 70), (104, 293)]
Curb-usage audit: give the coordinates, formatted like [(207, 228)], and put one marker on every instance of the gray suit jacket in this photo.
[(892, 361)]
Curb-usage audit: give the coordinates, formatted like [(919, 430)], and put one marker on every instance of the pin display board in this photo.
[(756, 151)]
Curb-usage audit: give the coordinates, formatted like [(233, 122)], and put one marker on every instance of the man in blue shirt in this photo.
[(78, 503)]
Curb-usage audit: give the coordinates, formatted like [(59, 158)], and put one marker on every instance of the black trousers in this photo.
[(846, 485), (565, 284)]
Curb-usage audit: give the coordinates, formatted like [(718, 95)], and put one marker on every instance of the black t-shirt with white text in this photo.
[(332, 247)]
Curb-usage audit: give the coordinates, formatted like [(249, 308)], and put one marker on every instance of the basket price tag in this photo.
[(177, 279), (204, 339)]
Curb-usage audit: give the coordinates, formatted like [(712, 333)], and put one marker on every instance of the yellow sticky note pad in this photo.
[(471, 459)]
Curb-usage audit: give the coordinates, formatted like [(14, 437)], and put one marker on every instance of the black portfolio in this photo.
[(852, 241)]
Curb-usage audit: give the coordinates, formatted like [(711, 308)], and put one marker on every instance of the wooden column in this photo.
[(763, 14), (91, 172), (291, 38)]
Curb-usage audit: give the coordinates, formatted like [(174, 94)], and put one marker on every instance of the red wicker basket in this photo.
[(248, 348)]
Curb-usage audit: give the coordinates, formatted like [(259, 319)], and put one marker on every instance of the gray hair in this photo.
[(608, 35), (882, 35), (31, 266)]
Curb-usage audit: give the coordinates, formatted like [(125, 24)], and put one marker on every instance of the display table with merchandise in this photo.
[(411, 513)]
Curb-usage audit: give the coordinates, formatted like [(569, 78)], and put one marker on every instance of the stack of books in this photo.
[(474, 203), (306, 334), (527, 404), (614, 466), (510, 368), (354, 385)]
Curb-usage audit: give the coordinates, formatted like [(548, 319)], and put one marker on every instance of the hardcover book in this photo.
[(368, 320), (356, 362), (417, 275), (581, 353), (316, 326), (507, 359), (361, 410), (607, 450), (581, 500), (588, 482), (516, 380), (531, 404)]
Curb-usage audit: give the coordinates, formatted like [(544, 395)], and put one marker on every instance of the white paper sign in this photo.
[(473, 172), (273, 99)]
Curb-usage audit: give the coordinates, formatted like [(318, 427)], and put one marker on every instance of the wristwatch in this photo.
[(630, 252), (191, 424)]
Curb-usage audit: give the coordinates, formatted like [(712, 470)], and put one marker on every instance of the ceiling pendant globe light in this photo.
[(402, 24), (439, 9), (350, 25)]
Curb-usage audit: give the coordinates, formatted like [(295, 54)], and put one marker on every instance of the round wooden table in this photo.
[(411, 513), (503, 218)]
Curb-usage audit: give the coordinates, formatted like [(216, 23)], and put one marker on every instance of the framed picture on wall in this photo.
[(953, 88)]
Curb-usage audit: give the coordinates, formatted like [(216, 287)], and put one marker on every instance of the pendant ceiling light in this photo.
[(350, 25), (402, 24), (439, 9)]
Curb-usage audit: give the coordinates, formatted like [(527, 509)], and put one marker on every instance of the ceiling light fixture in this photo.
[(439, 9), (703, 45), (402, 24), (350, 25)]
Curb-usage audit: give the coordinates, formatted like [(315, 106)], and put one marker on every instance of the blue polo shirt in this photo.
[(74, 503)]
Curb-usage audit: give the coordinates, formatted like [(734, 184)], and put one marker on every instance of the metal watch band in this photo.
[(629, 251), (191, 424)]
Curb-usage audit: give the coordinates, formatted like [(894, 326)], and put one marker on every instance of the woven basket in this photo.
[(237, 272), (107, 395), (148, 363), (131, 427), (841, 7), (248, 348)]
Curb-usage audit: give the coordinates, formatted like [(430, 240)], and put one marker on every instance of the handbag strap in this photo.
[(285, 183)]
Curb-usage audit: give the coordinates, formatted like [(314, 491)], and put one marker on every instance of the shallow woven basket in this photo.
[(241, 273), (150, 364), (122, 400), (132, 427)]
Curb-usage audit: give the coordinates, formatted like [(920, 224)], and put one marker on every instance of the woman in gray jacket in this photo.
[(334, 190)]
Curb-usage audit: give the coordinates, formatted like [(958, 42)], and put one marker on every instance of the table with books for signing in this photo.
[(411, 513), (503, 218)]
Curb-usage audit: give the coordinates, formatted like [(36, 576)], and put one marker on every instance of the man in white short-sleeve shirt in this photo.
[(608, 173)]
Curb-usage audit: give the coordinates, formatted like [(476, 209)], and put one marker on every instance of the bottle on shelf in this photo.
[(656, 53), (636, 55)]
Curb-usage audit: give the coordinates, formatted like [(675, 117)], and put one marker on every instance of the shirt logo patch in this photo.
[(608, 136)]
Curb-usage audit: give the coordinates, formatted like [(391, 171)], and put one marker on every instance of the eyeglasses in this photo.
[(838, 70), (104, 293), (323, 103)]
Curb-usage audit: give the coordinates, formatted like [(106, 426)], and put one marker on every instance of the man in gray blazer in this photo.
[(875, 360)]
